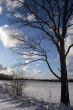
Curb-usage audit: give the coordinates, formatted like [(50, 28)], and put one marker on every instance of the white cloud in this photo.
[(27, 61), (2, 67), (36, 71), (31, 73), (7, 71), (36, 74), (37, 64), (25, 68), (31, 17), (69, 41), (0, 10), (5, 36), (30, 55)]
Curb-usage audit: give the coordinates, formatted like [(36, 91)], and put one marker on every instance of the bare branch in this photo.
[(70, 11), (70, 25), (68, 49), (52, 71), (24, 64)]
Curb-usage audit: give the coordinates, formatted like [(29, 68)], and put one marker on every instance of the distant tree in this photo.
[(53, 18), (5, 77)]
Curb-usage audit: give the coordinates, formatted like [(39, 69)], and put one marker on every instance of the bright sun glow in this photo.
[(5, 37)]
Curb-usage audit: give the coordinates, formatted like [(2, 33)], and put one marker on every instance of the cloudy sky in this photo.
[(8, 59)]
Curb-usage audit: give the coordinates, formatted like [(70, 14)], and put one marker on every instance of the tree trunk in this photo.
[(64, 78)]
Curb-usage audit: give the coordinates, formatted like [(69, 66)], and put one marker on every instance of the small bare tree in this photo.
[(17, 84)]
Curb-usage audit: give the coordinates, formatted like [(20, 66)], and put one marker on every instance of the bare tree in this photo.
[(54, 18), (17, 83)]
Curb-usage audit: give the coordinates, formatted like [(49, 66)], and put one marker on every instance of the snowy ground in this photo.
[(9, 101), (12, 102)]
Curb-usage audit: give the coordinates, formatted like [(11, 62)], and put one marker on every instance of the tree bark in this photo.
[(64, 78)]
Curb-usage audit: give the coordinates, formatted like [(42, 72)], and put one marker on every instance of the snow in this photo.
[(46, 91), (9, 101)]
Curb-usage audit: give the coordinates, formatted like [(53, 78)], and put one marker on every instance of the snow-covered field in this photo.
[(37, 95), (48, 91)]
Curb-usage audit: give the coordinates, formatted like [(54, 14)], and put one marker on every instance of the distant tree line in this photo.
[(11, 77), (5, 77)]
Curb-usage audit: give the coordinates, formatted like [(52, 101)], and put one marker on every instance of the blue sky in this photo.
[(8, 59)]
